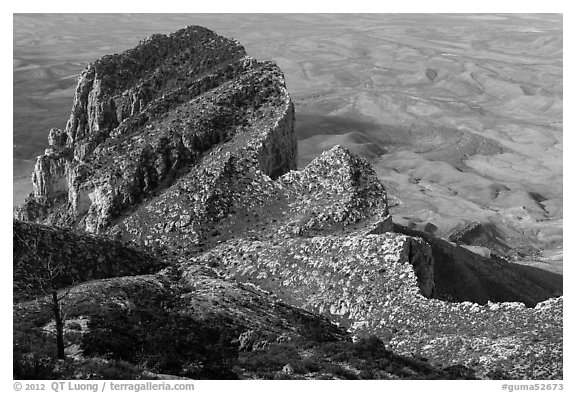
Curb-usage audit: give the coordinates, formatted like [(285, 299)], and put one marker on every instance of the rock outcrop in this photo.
[(463, 275), (346, 278), (227, 196), (141, 118)]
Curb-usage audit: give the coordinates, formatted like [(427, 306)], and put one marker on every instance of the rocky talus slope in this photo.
[(172, 203), (170, 325)]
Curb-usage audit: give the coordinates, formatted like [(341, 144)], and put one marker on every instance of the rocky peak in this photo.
[(338, 189), (143, 118), (119, 86), (338, 159)]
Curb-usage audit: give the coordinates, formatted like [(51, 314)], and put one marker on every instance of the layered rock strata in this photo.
[(141, 118)]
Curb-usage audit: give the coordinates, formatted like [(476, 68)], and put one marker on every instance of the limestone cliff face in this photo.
[(142, 118), (50, 176), (279, 150)]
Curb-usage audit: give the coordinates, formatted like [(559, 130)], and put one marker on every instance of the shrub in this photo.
[(366, 374), (111, 369), (74, 326), (32, 366), (273, 358), (498, 374), (339, 371), (162, 340), (310, 365), (370, 347)]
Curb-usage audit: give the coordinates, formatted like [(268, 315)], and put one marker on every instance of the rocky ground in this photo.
[(182, 152)]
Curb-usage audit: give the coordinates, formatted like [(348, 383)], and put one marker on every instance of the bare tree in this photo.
[(46, 277), (52, 273)]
